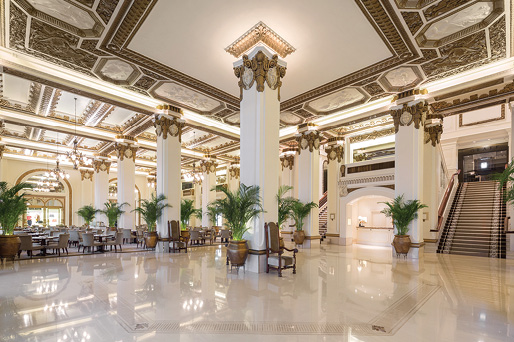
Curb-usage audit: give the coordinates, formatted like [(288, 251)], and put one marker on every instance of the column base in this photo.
[(310, 242), (341, 241), (430, 245), (256, 262)]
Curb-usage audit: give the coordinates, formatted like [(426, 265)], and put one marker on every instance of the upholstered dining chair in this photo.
[(27, 245), (275, 257), (118, 241), (177, 241), (61, 244)]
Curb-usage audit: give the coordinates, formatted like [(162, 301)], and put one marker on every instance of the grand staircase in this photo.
[(475, 223), (323, 213)]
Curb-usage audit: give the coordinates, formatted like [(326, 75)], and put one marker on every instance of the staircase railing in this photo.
[(444, 202), (323, 200)]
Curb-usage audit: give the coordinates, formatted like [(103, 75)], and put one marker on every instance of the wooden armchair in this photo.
[(178, 242), (274, 253)]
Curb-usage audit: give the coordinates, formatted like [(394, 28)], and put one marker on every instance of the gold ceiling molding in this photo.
[(414, 4), (168, 125), (34, 94), (260, 70), (501, 117), (413, 21), (257, 34), (469, 89), (491, 96), (373, 135), (444, 6)]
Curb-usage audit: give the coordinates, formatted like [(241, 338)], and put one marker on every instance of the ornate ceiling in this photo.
[(137, 46)]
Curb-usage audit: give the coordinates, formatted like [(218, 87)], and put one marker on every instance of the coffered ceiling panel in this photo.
[(338, 100), (66, 104), (15, 89), (118, 116)]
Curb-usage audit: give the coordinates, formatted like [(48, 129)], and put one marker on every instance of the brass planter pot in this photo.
[(299, 237), (401, 244), (151, 239), (237, 252), (9, 246)]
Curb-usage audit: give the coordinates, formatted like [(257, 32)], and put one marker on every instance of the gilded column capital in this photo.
[(171, 125), (2, 149), (309, 139), (234, 172), (433, 129), (86, 174), (287, 157), (408, 113), (208, 166), (125, 150), (260, 70), (101, 165), (334, 150)]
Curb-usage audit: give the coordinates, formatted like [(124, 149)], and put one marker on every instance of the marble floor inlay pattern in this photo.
[(354, 293)]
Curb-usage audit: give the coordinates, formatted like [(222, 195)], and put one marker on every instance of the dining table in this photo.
[(43, 241), (101, 238)]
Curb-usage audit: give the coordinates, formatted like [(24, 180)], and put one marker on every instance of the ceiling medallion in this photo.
[(260, 33)]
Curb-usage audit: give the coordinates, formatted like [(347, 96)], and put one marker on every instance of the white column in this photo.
[(287, 164), (208, 182), (86, 193), (308, 179), (126, 151), (233, 173), (2, 148), (335, 155), (168, 127), (101, 165), (409, 118), (260, 114), (348, 157), (198, 204)]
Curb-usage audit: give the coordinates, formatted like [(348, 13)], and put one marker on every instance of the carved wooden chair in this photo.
[(275, 257), (177, 241)]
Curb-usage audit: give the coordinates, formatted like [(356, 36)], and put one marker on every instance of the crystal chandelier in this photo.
[(75, 156), (57, 172), (46, 185)]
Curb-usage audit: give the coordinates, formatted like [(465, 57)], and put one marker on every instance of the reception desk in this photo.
[(375, 236)]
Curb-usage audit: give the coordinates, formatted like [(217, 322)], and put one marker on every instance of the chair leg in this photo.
[(121, 250), (294, 269), (67, 251), (115, 249)]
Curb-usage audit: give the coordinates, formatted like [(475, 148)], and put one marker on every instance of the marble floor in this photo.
[(355, 293)]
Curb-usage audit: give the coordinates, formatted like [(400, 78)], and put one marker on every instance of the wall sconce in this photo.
[(349, 221), (425, 217), (332, 216)]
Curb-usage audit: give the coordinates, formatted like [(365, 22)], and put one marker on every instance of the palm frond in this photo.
[(403, 212), (151, 209), (12, 205), (284, 204), (87, 212), (187, 210), (113, 211), (299, 211)]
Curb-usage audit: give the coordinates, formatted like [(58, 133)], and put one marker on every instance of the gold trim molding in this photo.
[(502, 116), (260, 33), (260, 69)]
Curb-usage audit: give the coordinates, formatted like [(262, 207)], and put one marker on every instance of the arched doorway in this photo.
[(50, 202), (362, 217)]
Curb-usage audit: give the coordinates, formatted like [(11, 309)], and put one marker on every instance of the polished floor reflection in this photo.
[(340, 293)]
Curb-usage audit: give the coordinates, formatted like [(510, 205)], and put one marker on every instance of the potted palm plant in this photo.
[(299, 211), (12, 207), (187, 209), (151, 210), (213, 213), (285, 204), (403, 213), (238, 208), (87, 212), (506, 179), (113, 211)]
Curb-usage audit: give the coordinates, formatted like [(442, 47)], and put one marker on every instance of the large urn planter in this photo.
[(299, 237), (151, 239), (9, 246), (237, 252), (402, 244)]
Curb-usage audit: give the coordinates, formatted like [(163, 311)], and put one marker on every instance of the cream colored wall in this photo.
[(82, 192), (369, 207)]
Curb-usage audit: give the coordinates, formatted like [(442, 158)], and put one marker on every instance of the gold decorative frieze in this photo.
[(260, 70), (260, 33), (309, 139), (165, 125), (86, 174), (405, 115), (480, 122), (334, 152), (124, 150), (373, 135), (208, 166), (101, 165)]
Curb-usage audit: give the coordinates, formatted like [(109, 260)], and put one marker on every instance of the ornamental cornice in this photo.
[(234, 172), (101, 165), (408, 113), (124, 150), (373, 135), (376, 179), (334, 152), (308, 140), (165, 125), (260, 70), (287, 161)]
